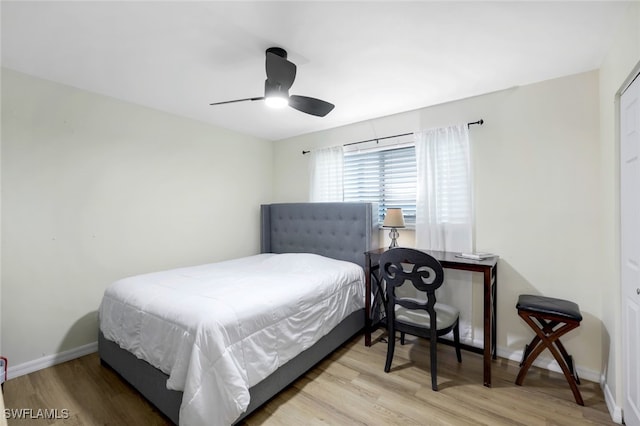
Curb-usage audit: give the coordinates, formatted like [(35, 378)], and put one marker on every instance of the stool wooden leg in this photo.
[(548, 338), (569, 360), (547, 328), (528, 348)]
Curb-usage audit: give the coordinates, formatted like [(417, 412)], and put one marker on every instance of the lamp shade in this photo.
[(393, 218)]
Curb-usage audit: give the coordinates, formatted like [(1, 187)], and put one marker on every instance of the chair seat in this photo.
[(446, 316), (550, 306)]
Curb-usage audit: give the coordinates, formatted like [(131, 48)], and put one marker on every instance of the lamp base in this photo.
[(394, 234)]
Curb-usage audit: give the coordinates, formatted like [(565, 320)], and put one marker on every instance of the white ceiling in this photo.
[(370, 59)]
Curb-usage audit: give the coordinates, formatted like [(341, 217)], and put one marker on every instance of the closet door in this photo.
[(630, 248)]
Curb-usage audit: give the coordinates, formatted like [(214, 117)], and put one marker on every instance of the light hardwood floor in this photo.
[(348, 388)]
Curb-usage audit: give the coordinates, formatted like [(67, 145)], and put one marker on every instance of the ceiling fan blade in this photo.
[(279, 70), (238, 100), (311, 106)]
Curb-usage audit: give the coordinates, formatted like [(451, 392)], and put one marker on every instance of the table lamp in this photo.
[(393, 219)]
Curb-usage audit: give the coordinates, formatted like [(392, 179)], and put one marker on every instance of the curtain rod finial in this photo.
[(480, 122)]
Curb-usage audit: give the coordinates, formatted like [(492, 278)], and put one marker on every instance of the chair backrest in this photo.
[(399, 265)]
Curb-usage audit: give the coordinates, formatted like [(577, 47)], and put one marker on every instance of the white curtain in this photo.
[(326, 174), (444, 209)]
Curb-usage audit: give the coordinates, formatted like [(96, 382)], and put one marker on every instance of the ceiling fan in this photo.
[(280, 76)]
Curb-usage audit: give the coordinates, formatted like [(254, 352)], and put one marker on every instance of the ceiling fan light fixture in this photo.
[(276, 101), (275, 95)]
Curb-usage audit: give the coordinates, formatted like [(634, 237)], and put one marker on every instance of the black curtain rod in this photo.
[(479, 122)]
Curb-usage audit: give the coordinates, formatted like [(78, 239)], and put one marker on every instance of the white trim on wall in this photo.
[(50, 360), (615, 411), (546, 363)]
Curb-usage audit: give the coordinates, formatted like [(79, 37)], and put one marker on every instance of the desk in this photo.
[(489, 269)]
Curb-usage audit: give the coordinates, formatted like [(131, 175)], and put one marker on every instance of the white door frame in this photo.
[(629, 252)]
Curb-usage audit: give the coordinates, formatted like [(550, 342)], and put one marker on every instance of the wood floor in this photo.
[(348, 388)]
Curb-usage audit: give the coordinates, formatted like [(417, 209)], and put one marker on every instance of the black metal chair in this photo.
[(550, 319), (421, 317)]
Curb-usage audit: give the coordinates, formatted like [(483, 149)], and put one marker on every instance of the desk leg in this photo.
[(488, 327), (367, 322), (367, 301), (494, 316)]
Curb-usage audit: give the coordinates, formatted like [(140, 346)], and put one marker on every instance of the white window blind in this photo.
[(387, 177)]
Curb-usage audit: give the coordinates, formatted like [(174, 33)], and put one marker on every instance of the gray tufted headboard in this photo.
[(341, 231)]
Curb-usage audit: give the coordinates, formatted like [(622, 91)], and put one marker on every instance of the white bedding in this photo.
[(220, 328)]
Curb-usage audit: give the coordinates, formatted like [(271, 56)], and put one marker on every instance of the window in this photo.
[(386, 176)]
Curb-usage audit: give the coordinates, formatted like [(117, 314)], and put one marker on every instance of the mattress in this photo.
[(218, 329)]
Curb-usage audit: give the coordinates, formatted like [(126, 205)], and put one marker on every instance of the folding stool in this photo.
[(550, 319)]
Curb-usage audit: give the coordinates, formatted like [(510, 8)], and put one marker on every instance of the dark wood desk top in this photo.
[(448, 257)]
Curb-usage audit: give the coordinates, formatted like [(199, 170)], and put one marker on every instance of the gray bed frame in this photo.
[(341, 231)]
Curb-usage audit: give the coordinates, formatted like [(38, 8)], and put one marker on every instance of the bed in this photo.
[(294, 238)]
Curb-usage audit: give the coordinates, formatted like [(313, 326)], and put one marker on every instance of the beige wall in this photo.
[(622, 59), (95, 189), (538, 201)]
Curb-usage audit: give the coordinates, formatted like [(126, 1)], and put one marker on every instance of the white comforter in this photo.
[(220, 328)]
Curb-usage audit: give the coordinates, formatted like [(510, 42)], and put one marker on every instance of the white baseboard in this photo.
[(50, 360), (550, 364), (615, 411)]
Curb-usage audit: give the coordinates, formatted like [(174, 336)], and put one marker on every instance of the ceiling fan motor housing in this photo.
[(278, 51)]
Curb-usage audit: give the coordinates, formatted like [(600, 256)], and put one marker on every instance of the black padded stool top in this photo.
[(549, 305)]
